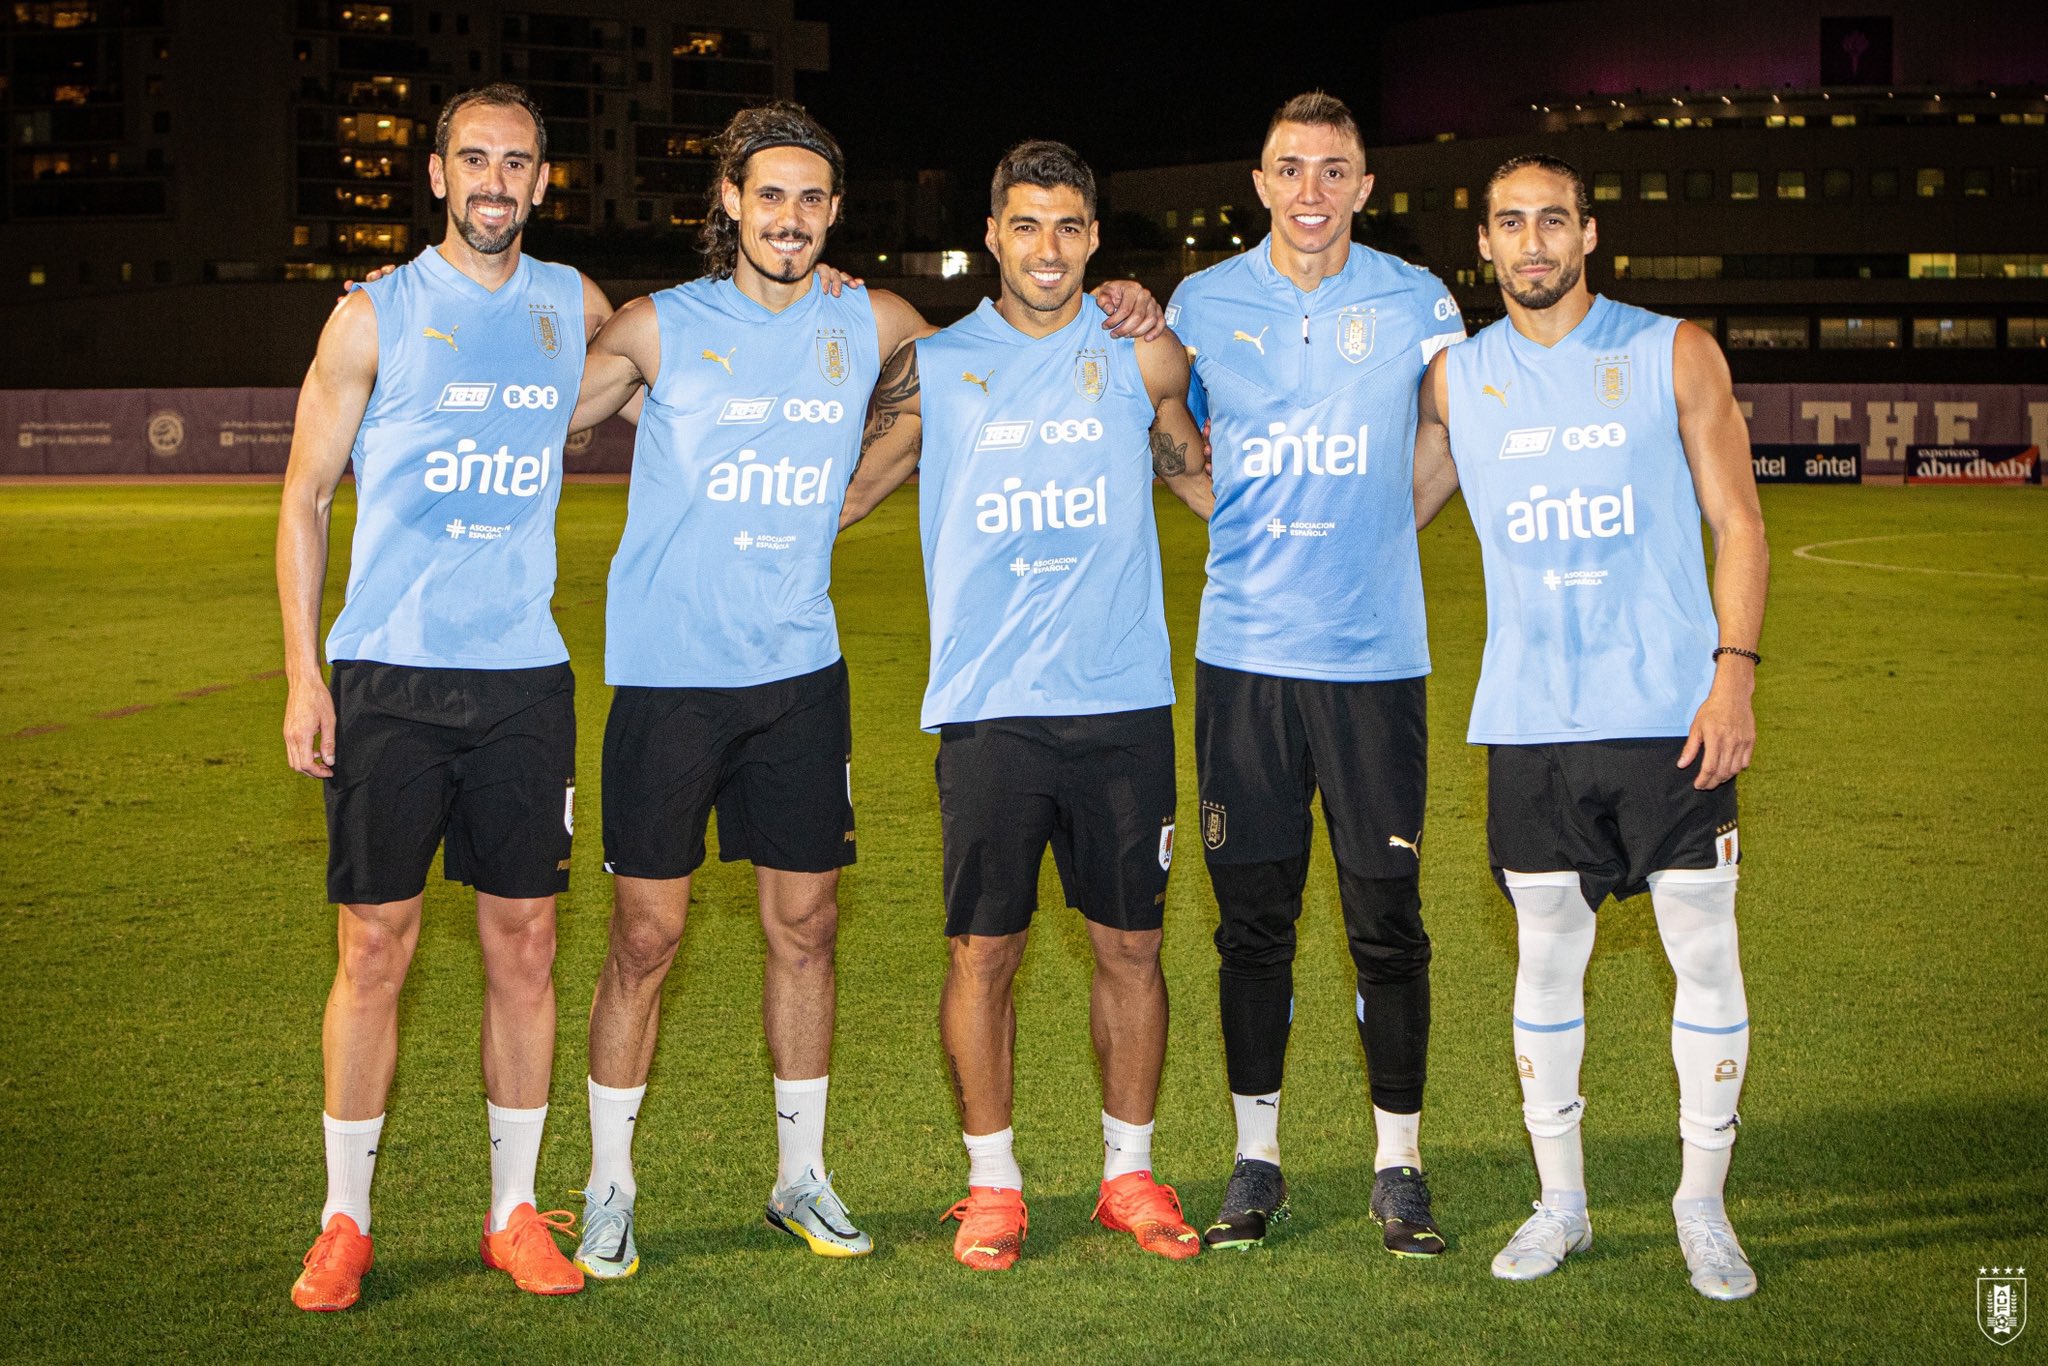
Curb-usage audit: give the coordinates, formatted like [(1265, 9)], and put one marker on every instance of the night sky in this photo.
[(925, 86)]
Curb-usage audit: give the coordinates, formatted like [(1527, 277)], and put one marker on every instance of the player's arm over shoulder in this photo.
[(896, 322), (624, 354), (1178, 451), (893, 438), (1436, 476)]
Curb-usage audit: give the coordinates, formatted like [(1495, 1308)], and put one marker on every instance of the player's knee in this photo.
[(1257, 905), (643, 946), (808, 931), (519, 950), (984, 962), (374, 954), (1383, 923), (1127, 957)]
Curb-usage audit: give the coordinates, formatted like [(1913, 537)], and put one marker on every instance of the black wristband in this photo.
[(1751, 655)]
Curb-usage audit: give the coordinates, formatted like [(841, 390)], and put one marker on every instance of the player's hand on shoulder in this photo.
[(833, 280), (349, 287), (1131, 310)]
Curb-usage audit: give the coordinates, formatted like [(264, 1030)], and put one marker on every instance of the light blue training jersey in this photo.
[(1599, 625), (1041, 559), (458, 468), (748, 437), (1313, 570)]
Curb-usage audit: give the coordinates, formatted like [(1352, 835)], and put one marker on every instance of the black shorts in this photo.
[(1099, 789), (774, 759), (1265, 745), (1614, 811), (483, 758)]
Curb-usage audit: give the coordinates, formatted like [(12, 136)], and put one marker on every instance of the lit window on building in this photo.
[(2026, 332), (1173, 218), (1742, 184), (37, 277), (1931, 265), (1461, 198), (1767, 334), (1668, 267), (1841, 120), (302, 235), (1859, 334), (1699, 185), (1606, 186), (1929, 182), (127, 272), (1791, 185), (373, 130), (1488, 273), (1977, 182), (1654, 186), (1884, 184), (1223, 213), (953, 263), (1837, 183), (366, 18), (1960, 334), (1198, 218), (372, 238), (1400, 203)]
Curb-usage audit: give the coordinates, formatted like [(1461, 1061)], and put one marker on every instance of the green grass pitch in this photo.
[(164, 953)]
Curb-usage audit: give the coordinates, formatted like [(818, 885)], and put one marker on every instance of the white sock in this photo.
[(515, 1155), (1126, 1148), (1555, 929), (614, 1119), (1709, 1018), (992, 1160), (351, 1162), (800, 1130), (1258, 1126), (1399, 1140)]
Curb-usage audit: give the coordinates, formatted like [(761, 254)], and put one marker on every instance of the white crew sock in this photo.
[(351, 1162), (1258, 1126), (1555, 929), (1709, 1018), (1126, 1148), (992, 1160), (614, 1119), (515, 1155), (1399, 1140), (800, 1130)]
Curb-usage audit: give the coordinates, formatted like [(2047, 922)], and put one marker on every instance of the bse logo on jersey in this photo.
[(1283, 451), (1574, 517), (499, 471), (741, 480), (1055, 506)]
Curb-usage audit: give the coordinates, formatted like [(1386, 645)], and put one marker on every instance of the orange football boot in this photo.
[(333, 1278), (1136, 1204), (993, 1222), (525, 1249)]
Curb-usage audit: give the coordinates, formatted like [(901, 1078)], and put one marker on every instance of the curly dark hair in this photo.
[(1046, 164), (1581, 201), (502, 93), (781, 123)]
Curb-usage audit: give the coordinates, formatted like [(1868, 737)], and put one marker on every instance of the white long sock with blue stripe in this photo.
[(1555, 930), (1709, 1018)]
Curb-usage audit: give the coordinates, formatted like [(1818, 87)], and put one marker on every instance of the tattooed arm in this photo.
[(1176, 440), (890, 445)]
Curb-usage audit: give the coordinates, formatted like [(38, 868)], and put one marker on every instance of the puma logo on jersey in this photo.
[(1500, 393), (970, 377), (1396, 842), (724, 361), (448, 336), (1258, 341)]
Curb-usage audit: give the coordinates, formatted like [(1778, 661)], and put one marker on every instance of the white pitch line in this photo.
[(1805, 552)]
